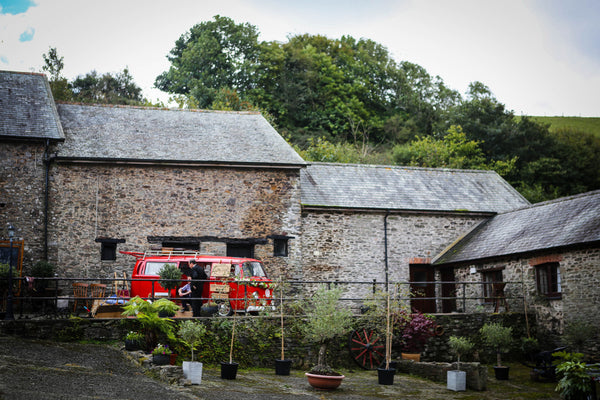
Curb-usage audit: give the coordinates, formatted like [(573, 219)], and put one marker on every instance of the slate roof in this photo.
[(559, 223), (407, 188), (170, 135), (27, 109)]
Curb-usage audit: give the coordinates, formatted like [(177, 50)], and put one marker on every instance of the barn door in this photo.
[(422, 288)]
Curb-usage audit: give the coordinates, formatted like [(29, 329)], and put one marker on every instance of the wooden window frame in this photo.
[(548, 280)]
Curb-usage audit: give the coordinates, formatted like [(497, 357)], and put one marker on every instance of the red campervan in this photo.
[(234, 284)]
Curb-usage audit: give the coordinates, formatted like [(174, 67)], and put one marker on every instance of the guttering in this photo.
[(134, 161), (47, 161), (309, 207)]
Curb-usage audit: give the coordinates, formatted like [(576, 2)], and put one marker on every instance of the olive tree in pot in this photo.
[(457, 379), (499, 338), (325, 320), (191, 333), (282, 366), (386, 375), (170, 277), (229, 369)]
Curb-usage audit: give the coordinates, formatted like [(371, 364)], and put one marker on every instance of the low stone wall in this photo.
[(436, 371)]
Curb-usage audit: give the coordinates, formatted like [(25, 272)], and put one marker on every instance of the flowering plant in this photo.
[(134, 336), (161, 349), (416, 329)]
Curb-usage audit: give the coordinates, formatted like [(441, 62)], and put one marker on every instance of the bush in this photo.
[(170, 276)]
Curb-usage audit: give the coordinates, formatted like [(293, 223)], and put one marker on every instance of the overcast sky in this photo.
[(538, 57)]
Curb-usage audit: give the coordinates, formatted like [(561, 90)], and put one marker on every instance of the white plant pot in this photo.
[(457, 380), (192, 370)]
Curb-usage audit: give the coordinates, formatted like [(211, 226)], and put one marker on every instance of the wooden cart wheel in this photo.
[(366, 348)]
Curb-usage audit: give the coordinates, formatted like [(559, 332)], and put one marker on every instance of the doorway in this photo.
[(422, 288)]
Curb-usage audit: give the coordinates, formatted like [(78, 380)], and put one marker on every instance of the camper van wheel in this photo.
[(224, 309)]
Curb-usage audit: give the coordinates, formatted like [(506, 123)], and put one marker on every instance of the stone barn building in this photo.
[(82, 182), (549, 252)]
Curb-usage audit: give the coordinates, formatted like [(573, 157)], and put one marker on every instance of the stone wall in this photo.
[(22, 176), (350, 246), (135, 203)]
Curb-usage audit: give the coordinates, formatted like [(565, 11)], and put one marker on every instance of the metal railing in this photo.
[(52, 293)]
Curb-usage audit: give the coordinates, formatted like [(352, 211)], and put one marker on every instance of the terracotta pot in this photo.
[(324, 382), (411, 356)]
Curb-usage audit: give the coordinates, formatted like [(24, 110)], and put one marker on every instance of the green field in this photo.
[(583, 124)]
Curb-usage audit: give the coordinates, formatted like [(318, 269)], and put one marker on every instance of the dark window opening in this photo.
[(108, 248), (108, 251), (280, 247), (489, 278), (195, 246), (548, 280), (240, 250)]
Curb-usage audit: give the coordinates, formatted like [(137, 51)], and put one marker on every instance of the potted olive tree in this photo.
[(229, 369), (457, 379), (499, 338), (170, 277), (325, 320), (386, 374), (282, 366), (192, 333)]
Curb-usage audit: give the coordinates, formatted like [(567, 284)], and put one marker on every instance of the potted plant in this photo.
[(170, 277), (42, 269), (457, 379), (574, 374), (325, 320), (161, 355), (386, 375), (282, 366), (229, 369), (416, 330), (191, 333), (499, 338), (133, 341), (150, 323), (165, 307)]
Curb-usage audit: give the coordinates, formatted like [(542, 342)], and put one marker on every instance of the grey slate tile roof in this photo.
[(27, 109), (407, 188), (559, 223), (152, 134)]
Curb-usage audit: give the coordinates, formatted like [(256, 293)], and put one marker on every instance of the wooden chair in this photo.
[(97, 291), (80, 293)]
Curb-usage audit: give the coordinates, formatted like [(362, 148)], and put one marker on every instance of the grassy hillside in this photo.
[(583, 124)]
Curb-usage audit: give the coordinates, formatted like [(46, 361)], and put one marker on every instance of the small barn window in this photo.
[(489, 278), (108, 252), (108, 248), (280, 247), (547, 276)]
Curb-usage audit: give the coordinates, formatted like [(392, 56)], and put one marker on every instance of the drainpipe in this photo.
[(385, 246), (46, 195)]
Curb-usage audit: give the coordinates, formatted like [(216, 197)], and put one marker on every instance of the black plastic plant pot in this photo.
[(501, 373), (391, 366), (283, 367), (386, 376), (229, 370)]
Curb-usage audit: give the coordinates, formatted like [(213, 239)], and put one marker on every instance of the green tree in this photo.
[(454, 150), (107, 88), (53, 65), (212, 55)]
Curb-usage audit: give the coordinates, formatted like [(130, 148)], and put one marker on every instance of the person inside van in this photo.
[(185, 292)]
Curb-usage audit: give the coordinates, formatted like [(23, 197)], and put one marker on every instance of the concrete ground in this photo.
[(33, 369)]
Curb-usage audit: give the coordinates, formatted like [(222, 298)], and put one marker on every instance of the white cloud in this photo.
[(513, 47)]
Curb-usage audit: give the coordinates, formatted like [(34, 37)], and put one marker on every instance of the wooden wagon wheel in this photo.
[(366, 348)]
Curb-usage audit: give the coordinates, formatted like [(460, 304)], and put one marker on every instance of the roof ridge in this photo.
[(135, 107), (22, 72), (554, 201), (386, 166)]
